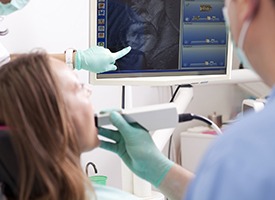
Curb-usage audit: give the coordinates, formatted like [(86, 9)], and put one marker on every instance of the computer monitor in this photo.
[(173, 42)]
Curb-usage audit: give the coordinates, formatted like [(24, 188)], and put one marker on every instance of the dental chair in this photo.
[(8, 167)]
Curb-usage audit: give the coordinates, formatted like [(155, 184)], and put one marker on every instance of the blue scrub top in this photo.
[(240, 165)]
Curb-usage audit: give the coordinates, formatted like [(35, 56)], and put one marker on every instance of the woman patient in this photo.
[(47, 114)]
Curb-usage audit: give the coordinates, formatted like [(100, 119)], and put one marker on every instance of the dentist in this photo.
[(240, 164)]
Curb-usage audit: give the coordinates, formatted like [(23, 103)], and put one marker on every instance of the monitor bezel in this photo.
[(159, 80)]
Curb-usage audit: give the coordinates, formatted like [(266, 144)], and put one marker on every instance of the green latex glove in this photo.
[(98, 59), (137, 149)]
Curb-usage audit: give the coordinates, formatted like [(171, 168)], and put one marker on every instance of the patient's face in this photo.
[(77, 99)]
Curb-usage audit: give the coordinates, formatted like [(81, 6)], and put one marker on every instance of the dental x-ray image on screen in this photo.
[(184, 40), (150, 27)]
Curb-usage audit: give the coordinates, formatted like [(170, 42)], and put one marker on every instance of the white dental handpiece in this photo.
[(151, 118)]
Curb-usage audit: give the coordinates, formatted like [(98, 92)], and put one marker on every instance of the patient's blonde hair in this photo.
[(41, 130)]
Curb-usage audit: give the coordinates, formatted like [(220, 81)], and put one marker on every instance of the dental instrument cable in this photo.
[(190, 116), (184, 117)]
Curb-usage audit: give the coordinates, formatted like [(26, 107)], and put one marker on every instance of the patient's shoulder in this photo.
[(110, 193)]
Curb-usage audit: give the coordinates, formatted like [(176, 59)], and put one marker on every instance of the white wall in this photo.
[(56, 25), (51, 24)]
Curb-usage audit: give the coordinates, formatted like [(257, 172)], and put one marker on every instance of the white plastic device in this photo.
[(253, 104), (151, 118)]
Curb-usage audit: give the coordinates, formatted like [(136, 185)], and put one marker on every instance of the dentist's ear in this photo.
[(250, 9)]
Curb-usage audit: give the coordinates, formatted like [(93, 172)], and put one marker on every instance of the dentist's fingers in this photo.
[(119, 122), (109, 146), (108, 111), (110, 67), (110, 134), (121, 53)]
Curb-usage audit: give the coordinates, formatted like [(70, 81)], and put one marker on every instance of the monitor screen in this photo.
[(173, 42)]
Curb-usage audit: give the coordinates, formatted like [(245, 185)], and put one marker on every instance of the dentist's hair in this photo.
[(41, 131)]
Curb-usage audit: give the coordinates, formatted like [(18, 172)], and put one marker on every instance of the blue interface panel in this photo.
[(167, 37), (204, 38)]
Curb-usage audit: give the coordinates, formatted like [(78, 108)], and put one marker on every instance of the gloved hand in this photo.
[(98, 59), (137, 149)]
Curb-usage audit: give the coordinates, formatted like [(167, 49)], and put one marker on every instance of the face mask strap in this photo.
[(243, 33), (225, 15)]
